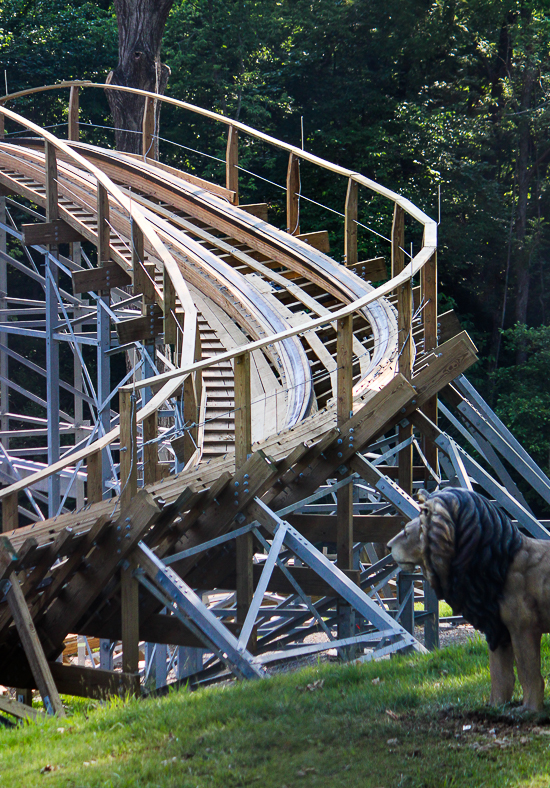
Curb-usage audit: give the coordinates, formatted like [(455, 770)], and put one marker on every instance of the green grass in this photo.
[(400, 723)]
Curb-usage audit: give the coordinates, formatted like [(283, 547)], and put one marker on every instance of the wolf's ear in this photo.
[(423, 496)]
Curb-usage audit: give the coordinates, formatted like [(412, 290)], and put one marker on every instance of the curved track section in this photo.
[(196, 277)]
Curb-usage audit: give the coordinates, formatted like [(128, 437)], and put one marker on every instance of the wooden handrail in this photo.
[(430, 226)]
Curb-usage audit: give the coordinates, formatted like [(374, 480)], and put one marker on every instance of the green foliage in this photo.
[(521, 392), (417, 94), (42, 42)]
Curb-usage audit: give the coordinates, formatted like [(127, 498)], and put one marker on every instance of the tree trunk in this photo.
[(140, 28)]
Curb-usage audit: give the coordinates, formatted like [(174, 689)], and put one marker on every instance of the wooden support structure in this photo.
[(350, 223), (371, 270), (100, 279), (52, 207), (19, 710), (293, 195), (232, 162), (319, 240), (50, 233), (74, 130), (404, 321), (33, 648), (145, 328)]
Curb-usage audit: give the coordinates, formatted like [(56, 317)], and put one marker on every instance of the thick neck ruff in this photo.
[(479, 557)]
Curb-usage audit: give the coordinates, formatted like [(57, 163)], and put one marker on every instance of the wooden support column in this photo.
[(350, 223), (33, 648), (129, 607), (192, 393), (190, 417), (292, 198), (170, 324), (428, 282), (128, 448), (231, 163), (73, 113), (148, 147), (404, 322), (141, 277), (150, 450), (94, 480), (10, 513), (344, 496), (344, 405), (243, 447)]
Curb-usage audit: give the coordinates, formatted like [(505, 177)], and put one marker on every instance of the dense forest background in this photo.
[(424, 96)]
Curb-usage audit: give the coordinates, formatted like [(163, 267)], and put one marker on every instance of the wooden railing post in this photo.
[(292, 195), (404, 323), (128, 448), (243, 447), (428, 282), (192, 393), (74, 130), (231, 163), (142, 281), (129, 609), (350, 223), (344, 405), (191, 417), (170, 323), (10, 512), (148, 147)]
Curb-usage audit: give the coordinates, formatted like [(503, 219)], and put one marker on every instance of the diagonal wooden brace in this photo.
[(33, 648)]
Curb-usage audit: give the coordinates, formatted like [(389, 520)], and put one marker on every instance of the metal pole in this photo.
[(52, 346)]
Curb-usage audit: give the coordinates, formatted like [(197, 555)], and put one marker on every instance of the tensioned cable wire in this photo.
[(23, 131), (261, 177), (186, 147)]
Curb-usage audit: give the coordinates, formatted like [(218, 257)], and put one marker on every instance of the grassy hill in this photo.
[(407, 722)]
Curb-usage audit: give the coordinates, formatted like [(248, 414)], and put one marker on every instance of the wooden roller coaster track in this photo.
[(269, 410)]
